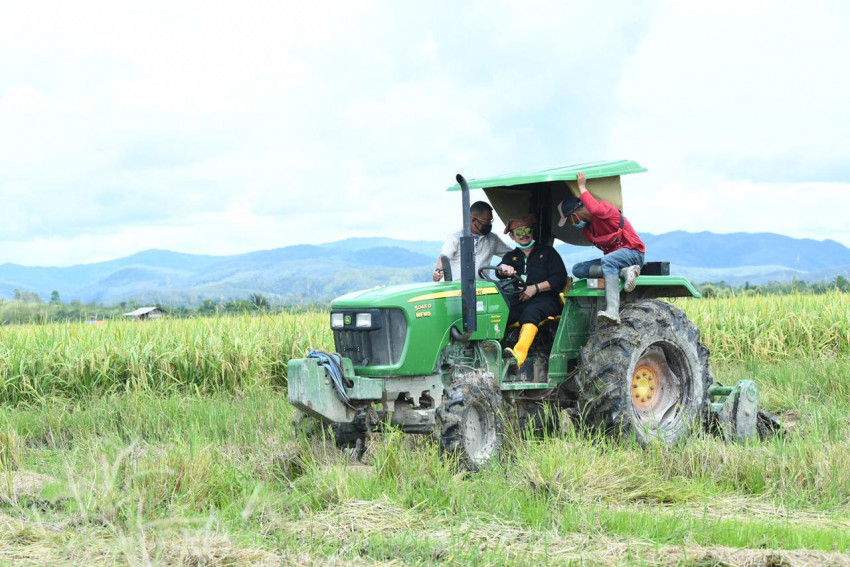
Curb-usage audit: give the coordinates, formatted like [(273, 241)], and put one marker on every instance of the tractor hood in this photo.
[(409, 325), (516, 194), (392, 295)]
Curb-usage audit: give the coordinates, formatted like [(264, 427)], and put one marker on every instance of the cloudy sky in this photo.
[(224, 127)]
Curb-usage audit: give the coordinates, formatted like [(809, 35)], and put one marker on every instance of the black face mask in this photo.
[(484, 229)]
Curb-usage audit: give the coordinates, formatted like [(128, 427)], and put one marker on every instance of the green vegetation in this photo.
[(170, 442), (793, 287), (27, 308), (203, 355), (772, 327)]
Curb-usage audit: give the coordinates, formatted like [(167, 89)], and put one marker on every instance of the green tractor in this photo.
[(428, 357)]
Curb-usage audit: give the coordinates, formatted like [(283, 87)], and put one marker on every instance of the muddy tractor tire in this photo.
[(470, 423), (647, 377)]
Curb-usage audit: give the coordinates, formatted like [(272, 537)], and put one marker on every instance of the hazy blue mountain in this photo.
[(709, 250), (308, 272), (427, 248), (166, 259), (38, 278), (391, 257)]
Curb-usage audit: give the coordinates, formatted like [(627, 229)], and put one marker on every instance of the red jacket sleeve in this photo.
[(604, 223), (601, 210)]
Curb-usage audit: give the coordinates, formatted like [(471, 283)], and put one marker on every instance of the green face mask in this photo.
[(527, 246)]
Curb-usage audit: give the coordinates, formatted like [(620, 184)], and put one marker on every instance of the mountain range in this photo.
[(308, 273)]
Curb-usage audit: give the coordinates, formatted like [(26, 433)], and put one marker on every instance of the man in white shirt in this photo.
[(487, 244)]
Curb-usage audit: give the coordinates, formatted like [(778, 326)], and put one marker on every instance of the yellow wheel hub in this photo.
[(644, 385)]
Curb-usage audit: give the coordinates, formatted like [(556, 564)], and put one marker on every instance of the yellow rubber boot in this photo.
[(526, 335)]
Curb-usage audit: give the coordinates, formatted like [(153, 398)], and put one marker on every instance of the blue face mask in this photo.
[(526, 247), (580, 224)]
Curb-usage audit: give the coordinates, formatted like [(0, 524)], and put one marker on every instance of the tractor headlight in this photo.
[(363, 320), (358, 320)]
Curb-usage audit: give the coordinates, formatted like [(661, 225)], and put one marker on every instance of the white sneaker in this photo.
[(629, 276)]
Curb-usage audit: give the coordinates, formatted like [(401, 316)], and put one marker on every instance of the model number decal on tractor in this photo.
[(419, 310), (453, 293)]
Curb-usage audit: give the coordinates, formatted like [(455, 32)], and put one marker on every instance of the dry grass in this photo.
[(354, 523), (28, 542), (15, 485)]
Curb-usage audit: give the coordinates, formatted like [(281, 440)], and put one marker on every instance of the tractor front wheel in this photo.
[(470, 422), (647, 377)]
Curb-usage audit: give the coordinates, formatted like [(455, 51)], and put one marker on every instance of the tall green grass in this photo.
[(773, 326), (232, 353), (228, 353), (146, 467), (170, 442)]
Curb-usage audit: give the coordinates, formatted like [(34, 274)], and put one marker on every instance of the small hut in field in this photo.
[(145, 313)]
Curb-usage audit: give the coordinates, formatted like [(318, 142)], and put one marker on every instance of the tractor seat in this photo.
[(546, 321), (563, 295)]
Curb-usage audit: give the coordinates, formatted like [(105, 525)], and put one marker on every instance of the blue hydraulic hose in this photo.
[(333, 364)]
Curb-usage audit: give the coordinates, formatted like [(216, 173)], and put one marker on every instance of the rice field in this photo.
[(773, 327), (232, 353), (171, 443), (229, 353)]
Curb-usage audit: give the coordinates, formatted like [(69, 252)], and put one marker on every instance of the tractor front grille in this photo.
[(380, 345)]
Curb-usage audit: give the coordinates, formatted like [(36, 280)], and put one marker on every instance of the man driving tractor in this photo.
[(545, 276)]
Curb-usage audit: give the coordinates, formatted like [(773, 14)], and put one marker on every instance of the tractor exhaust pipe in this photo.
[(467, 266)]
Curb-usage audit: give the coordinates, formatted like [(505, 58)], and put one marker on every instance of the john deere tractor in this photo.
[(429, 357)]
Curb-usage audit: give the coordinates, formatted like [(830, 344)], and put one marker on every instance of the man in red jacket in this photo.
[(607, 229)]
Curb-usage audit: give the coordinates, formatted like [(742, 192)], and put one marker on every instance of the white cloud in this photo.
[(222, 127), (731, 105), (742, 79)]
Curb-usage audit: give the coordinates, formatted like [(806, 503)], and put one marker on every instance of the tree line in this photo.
[(29, 307), (722, 289)]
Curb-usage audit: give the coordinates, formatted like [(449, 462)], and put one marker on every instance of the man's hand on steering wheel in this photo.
[(529, 292), (520, 287), (512, 285), (505, 270)]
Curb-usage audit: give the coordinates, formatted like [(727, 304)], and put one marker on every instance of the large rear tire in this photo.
[(647, 377), (470, 421)]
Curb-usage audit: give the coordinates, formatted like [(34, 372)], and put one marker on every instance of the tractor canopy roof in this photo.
[(540, 191)]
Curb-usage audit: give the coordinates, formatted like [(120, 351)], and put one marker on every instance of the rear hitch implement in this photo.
[(735, 414)]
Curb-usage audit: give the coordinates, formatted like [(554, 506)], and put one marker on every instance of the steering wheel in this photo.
[(514, 285)]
